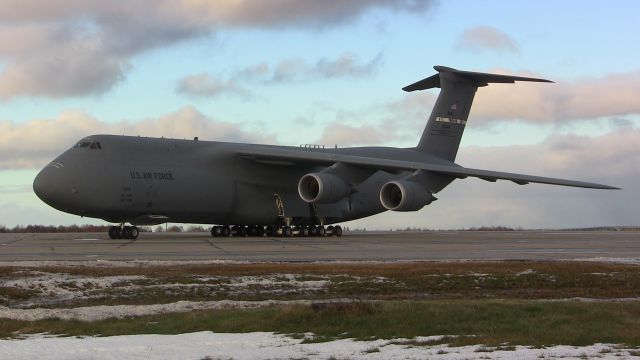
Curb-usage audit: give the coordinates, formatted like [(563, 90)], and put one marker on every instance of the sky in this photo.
[(290, 72)]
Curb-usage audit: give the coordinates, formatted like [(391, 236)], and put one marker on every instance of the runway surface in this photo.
[(387, 246)]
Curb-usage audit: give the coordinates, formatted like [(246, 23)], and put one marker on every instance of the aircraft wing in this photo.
[(282, 156)]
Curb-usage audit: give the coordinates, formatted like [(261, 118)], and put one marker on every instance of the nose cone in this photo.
[(43, 185), (54, 186)]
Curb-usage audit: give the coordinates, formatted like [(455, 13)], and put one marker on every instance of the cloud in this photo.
[(60, 48), (482, 38), (347, 65), (299, 13), (348, 135), (77, 64), (584, 98), (587, 98), (24, 145), (206, 85)]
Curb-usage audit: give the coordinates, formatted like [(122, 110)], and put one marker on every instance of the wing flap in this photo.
[(315, 157)]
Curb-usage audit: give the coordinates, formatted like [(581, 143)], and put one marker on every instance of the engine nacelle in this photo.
[(402, 195), (322, 188)]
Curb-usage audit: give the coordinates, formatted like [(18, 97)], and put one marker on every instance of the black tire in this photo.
[(225, 231), (114, 232), (304, 231), (330, 230), (215, 231), (133, 233), (126, 232), (321, 231), (243, 231), (286, 231), (337, 230), (313, 231)]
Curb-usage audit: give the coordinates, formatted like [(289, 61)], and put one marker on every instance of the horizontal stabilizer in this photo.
[(475, 78)]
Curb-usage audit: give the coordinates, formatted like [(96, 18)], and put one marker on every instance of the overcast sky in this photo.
[(301, 71)]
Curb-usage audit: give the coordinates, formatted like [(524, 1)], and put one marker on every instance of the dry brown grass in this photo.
[(360, 269)]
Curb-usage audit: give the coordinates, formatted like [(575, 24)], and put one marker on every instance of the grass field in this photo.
[(490, 322), (493, 303)]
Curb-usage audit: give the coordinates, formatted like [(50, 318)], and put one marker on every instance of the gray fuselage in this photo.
[(150, 181)]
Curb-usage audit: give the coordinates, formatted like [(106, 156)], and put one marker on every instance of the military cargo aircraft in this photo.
[(257, 190)]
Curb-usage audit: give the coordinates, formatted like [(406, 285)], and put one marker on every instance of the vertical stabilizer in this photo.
[(442, 135)]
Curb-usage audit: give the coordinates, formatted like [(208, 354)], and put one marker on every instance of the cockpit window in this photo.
[(86, 144), (82, 144)]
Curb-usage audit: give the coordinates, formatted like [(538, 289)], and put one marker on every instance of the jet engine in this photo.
[(402, 195), (322, 187)]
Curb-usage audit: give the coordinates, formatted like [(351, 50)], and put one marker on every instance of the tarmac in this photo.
[(367, 246)]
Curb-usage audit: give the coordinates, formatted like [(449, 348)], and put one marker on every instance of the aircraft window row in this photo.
[(87, 144)]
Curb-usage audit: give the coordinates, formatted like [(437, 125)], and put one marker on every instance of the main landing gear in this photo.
[(123, 232), (271, 230)]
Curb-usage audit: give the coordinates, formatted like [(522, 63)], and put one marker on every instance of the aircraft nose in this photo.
[(53, 186), (43, 185)]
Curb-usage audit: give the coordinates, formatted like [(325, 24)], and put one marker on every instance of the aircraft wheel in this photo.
[(126, 232), (270, 231), (313, 231), (286, 231), (280, 231), (216, 231), (114, 232), (225, 231), (133, 233), (304, 231), (330, 230), (322, 231), (258, 230), (337, 230), (239, 231)]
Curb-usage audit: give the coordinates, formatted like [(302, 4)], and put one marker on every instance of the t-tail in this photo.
[(442, 135)]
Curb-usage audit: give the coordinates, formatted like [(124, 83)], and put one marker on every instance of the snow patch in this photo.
[(266, 345), (526, 272), (101, 312), (57, 287)]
